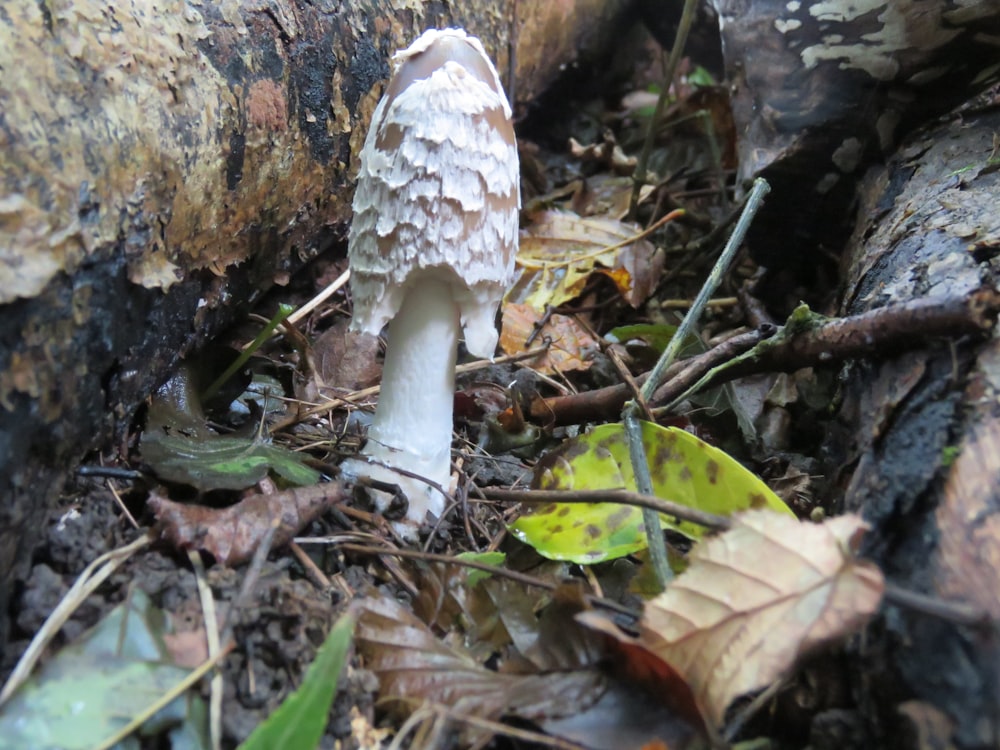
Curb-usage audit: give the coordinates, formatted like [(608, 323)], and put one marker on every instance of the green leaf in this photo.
[(701, 77), (656, 335), (214, 462), (684, 469), (300, 720), (95, 686), (474, 576)]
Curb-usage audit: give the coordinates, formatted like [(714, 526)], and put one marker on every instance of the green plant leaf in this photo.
[(657, 335), (180, 446), (684, 469), (214, 462), (300, 720), (96, 685), (474, 576)]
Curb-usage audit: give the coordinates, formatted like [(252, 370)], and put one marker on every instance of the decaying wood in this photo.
[(163, 164), (920, 452)]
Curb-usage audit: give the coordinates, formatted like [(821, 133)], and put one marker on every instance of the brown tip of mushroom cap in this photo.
[(438, 190)]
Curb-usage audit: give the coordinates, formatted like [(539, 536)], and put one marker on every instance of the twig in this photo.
[(644, 483), (313, 572), (212, 639), (320, 298), (958, 613), (355, 397), (499, 728), (121, 505), (684, 304), (754, 310), (604, 404), (721, 268), (811, 340), (110, 472), (574, 259), (633, 430), (538, 325), (164, 700)]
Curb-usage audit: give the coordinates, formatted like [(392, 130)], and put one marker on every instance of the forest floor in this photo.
[(520, 656)]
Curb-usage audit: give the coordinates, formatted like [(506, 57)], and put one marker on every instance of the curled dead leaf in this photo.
[(232, 534), (560, 250)]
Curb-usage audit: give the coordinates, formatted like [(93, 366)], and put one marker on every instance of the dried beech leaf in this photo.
[(454, 598), (572, 347), (232, 534), (560, 251), (755, 599), (968, 556), (345, 359)]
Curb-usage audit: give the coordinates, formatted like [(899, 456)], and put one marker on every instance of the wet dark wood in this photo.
[(919, 453)]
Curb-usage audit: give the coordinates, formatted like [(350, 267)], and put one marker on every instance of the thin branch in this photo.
[(356, 397), (605, 404), (721, 268), (875, 334), (683, 28)]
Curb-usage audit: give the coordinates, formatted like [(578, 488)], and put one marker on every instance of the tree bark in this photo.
[(921, 438), (163, 164)]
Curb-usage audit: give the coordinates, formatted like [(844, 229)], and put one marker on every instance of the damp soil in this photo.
[(277, 634)]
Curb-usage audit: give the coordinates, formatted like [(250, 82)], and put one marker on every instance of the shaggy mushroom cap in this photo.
[(432, 249), (438, 189)]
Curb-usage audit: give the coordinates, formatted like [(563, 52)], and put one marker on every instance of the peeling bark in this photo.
[(823, 89), (162, 164), (921, 440)]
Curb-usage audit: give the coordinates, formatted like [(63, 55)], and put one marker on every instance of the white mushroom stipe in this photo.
[(431, 248)]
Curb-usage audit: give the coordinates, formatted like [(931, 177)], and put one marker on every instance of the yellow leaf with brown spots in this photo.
[(684, 469)]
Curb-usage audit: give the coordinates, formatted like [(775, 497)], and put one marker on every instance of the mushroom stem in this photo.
[(413, 420)]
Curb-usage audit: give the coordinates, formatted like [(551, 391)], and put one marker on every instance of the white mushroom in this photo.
[(431, 249)]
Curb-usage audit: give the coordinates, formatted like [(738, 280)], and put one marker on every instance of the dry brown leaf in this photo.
[(232, 534), (559, 252), (414, 666), (347, 359), (572, 347), (755, 599)]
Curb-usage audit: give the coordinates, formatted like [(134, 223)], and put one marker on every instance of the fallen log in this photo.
[(919, 449)]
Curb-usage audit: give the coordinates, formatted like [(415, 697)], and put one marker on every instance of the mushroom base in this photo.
[(413, 421)]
